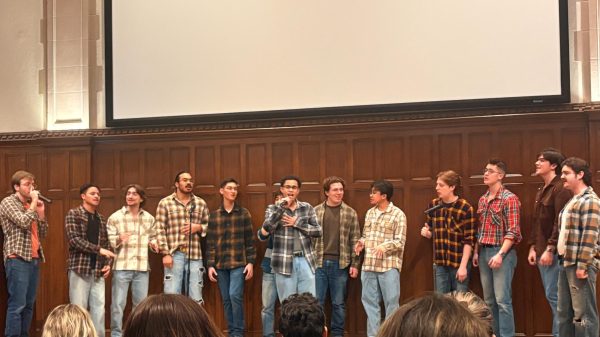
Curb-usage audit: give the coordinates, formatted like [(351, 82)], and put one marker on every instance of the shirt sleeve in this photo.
[(249, 239), (308, 225), (113, 232), (589, 215), (512, 210), (160, 222), (76, 234), (354, 237), (396, 245), (469, 225)]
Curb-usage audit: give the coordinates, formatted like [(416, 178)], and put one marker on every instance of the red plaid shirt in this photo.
[(499, 218)]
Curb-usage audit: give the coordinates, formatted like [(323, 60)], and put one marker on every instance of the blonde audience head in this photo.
[(433, 315), (69, 320), (477, 306)]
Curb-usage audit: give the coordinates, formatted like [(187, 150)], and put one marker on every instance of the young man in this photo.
[(179, 216), (89, 255), (302, 316), (499, 215), (23, 219), (383, 239), (334, 252), (131, 231), (231, 254), (549, 201), (453, 234), (577, 244), (269, 288), (293, 225)]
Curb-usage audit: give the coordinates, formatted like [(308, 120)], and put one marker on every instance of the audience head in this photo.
[(477, 306), (433, 315), (170, 315), (69, 320), (302, 316)]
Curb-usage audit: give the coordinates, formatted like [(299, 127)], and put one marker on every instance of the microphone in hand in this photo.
[(434, 208)]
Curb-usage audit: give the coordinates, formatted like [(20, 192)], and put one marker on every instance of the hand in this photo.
[(284, 202), (289, 220), (212, 274), (495, 261), (461, 274), (353, 272), (35, 195), (249, 271), (426, 231), (532, 256), (581, 274), (475, 259), (168, 261), (546, 259), (124, 237), (105, 271), (379, 252), (153, 246), (107, 253), (359, 247)]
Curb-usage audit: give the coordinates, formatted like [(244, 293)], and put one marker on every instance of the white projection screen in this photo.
[(181, 61)]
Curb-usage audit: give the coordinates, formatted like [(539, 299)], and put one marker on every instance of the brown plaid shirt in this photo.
[(80, 249), (230, 241), (349, 235), (16, 226), (171, 216), (388, 231)]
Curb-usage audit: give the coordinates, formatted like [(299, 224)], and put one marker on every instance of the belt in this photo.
[(489, 246), (298, 254)]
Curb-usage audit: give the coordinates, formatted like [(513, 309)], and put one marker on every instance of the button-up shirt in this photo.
[(133, 254), (80, 249), (453, 227), (348, 236), (307, 227), (386, 230), (499, 218), (230, 241), (581, 223), (17, 227), (171, 216)]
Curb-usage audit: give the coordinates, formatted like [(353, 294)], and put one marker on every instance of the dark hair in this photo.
[(301, 316), (283, 180), (451, 178), (18, 176), (83, 189), (179, 174), (554, 157), (170, 315), (327, 182), (227, 181), (140, 190), (579, 165), (277, 194), (433, 315), (384, 187), (499, 164)]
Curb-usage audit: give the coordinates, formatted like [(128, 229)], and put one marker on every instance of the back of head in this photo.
[(477, 306), (170, 315), (69, 320), (433, 315), (301, 316)]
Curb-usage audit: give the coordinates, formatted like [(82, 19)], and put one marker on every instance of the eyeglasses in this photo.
[(489, 171), (290, 187)]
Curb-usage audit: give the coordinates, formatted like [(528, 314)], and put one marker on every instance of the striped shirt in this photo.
[(171, 216), (230, 241), (387, 230), (581, 230), (499, 218), (133, 254), (348, 236), (17, 227), (453, 227)]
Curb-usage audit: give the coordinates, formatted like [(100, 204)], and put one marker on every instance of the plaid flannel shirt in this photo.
[(582, 226), (388, 231), (499, 219), (133, 254), (453, 227), (230, 242), (16, 226), (283, 237), (171, 216), (349, 235), (80, 249)]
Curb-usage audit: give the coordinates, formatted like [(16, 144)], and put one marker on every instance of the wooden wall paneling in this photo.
[(393, 158), (449, 153), (507, 144), (105, 164), (256, 165), (180, 160), (130, 168), (363, 160), (282, 160), (336, 158), (421, 151), (206, 169), (230, 163), (575, 142), (256, 203), (153, 170), (309, 163), (479, 152)]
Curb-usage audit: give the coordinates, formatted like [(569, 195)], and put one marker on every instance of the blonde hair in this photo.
[(477, 306), (69, 320)]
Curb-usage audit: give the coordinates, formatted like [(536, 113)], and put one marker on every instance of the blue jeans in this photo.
[(375, 286), (331, 277), (88, 293), (549, 275), (497, 289), (302, 280), (445, 279), (269, 297), (21, 282), (178, 273), (577, 307), (231, 285), (121, 280)]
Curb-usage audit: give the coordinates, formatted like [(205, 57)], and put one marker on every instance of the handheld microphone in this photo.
[(431, 209), (44, 199)]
